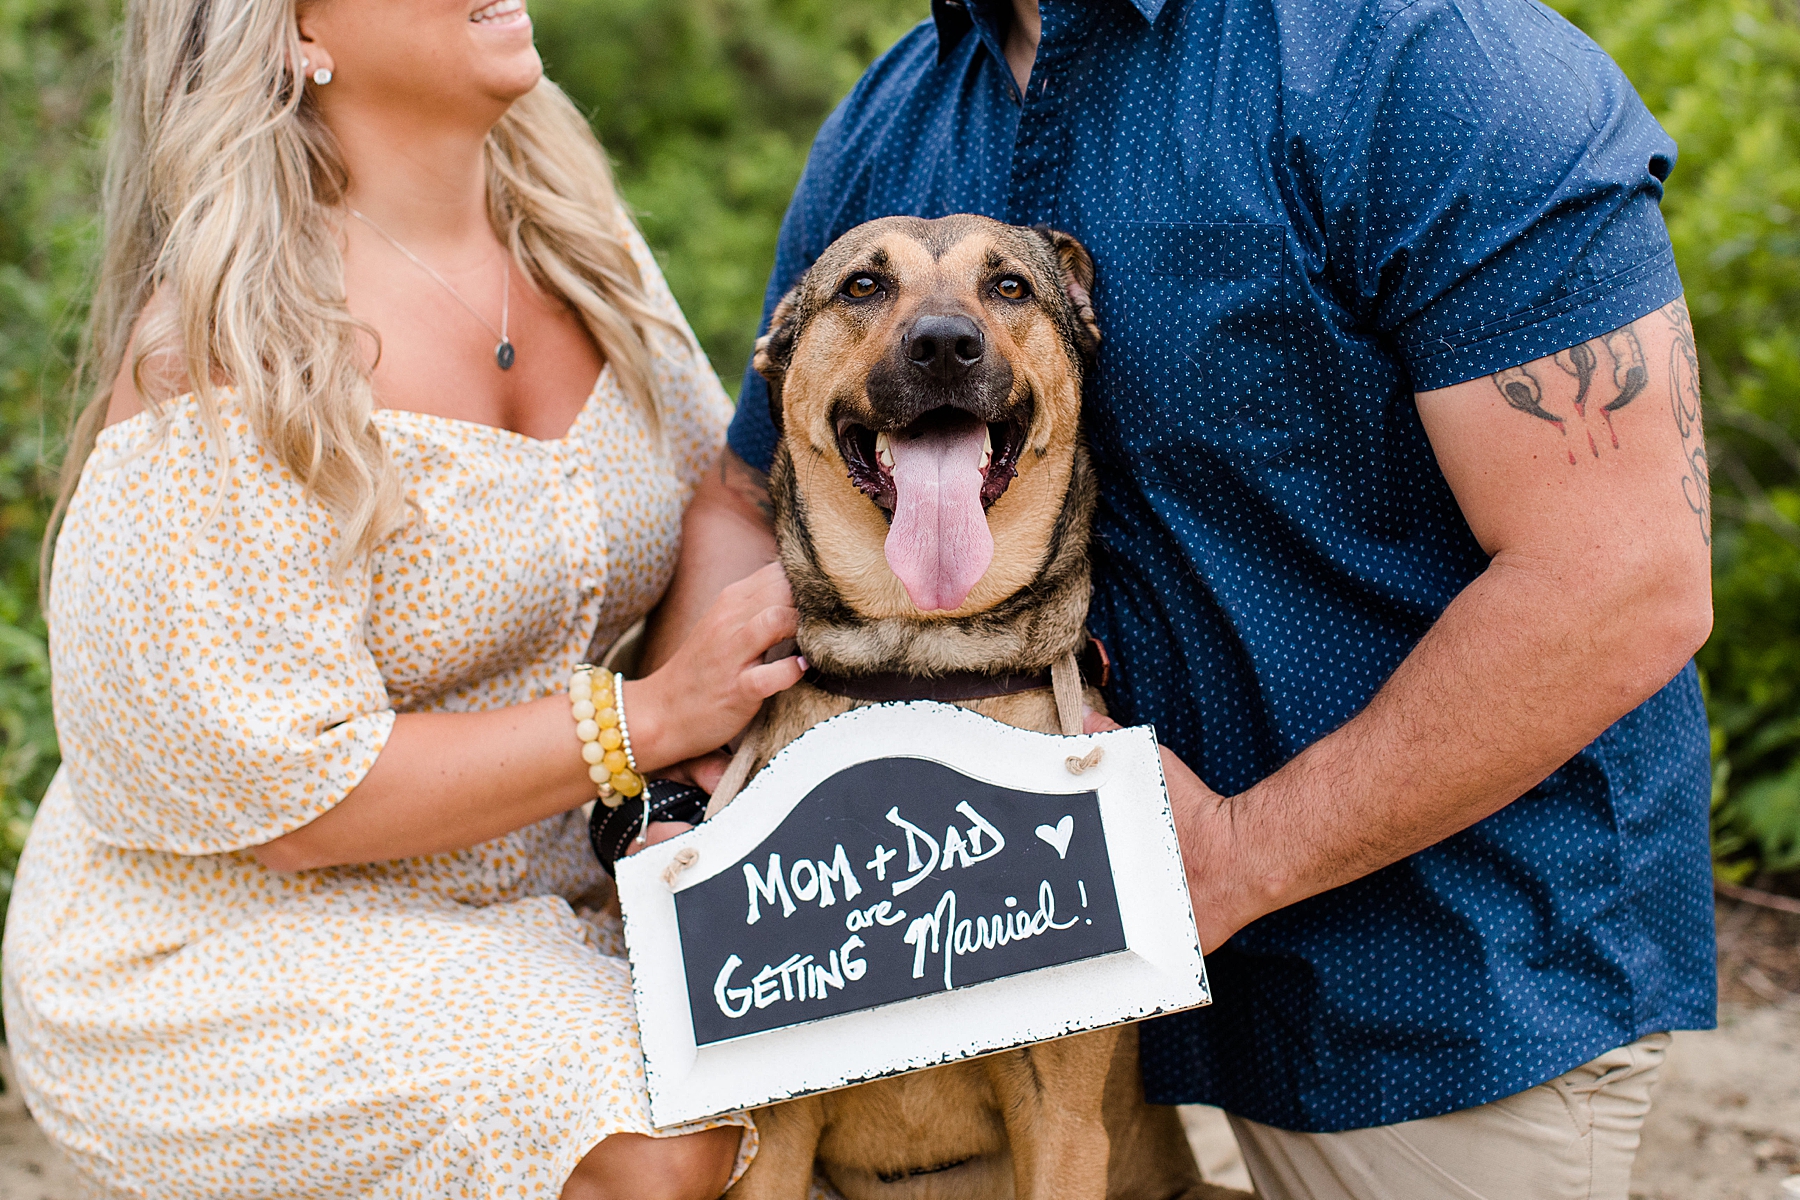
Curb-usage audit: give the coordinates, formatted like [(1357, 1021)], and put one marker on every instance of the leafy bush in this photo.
[(54, 72), (708, 108), (1723, 76)]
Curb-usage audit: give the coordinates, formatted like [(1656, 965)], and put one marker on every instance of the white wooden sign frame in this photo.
[(1161, 970)]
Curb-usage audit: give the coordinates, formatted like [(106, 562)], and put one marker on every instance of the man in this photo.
[(1402, 547)]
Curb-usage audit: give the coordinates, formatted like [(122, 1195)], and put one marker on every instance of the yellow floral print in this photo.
[(188, 1024)]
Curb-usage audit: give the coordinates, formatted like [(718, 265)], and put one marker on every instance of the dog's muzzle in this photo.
[(937, 447)]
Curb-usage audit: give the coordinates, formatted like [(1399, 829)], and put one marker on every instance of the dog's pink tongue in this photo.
[(939, 544)]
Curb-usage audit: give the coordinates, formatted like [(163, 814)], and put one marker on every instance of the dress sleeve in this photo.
[(1493, 192), (213, 686), (694, 406)]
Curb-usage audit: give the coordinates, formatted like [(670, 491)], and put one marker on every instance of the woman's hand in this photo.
[(716, 681)]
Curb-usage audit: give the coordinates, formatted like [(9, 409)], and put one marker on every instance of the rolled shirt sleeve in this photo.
[(1493, 195)]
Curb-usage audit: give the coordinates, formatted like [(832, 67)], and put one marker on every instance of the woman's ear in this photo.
[(775, 349), (1076, 267), (314, 55)]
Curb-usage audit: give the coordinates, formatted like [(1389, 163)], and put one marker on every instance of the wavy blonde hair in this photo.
[(225, 192)]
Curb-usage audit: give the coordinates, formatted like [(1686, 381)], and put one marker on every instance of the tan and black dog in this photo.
[(932, 503)]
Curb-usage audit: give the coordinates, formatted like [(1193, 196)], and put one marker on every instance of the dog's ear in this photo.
[(1076, 266), (775, 350)]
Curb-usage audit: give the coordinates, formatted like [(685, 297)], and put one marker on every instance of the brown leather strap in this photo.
[(885, 686)]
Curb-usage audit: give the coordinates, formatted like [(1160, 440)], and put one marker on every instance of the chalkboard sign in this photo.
[(892, 879), (906, 884)]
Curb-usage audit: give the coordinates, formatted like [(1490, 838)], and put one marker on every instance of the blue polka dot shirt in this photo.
[(1303, 211)]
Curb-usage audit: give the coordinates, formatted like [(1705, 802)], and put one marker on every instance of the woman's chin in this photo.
[(510, 76), (503, 49)]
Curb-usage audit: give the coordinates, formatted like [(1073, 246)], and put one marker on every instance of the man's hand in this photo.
[(1583, 475), (1203, 827)]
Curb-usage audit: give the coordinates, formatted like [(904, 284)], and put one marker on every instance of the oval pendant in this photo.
[(503, 354)]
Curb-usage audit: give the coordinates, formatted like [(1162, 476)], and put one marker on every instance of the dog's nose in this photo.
[(944, 347)]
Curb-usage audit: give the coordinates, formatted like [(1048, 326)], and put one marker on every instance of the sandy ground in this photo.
[(1726, 1125)]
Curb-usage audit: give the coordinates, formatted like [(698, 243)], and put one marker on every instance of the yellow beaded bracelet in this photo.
[(596, 701)]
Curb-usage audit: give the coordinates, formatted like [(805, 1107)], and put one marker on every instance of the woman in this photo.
[(296, 916)]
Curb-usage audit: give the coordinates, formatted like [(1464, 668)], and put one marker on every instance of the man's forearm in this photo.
[(727, 534), (1524, 668), (1583, 475)]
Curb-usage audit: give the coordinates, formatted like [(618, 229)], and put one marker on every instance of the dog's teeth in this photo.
[(884, 453), (987, 448)]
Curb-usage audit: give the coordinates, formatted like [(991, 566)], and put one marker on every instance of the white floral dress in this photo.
[(188, 1024)]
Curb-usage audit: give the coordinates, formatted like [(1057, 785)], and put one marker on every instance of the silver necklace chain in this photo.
[(504, 354)]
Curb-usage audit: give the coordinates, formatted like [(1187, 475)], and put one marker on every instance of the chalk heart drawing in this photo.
[(1058, 837)]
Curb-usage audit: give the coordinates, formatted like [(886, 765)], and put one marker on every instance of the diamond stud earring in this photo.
[(321, 77)]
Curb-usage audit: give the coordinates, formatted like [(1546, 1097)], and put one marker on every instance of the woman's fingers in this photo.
[(767, 679), (776, 623), (715, 680), (702, 771), (761, 589)]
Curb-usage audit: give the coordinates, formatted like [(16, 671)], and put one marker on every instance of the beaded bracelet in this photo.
[(598, 705)]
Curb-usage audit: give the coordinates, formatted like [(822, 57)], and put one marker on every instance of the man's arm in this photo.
[(1584, 476), (727, 533)]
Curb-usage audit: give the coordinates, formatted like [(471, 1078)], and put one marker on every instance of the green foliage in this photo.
[(53, 88), (1723, 76), (708, 108)]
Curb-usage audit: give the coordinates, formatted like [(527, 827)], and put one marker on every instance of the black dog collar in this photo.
[(884, 686)]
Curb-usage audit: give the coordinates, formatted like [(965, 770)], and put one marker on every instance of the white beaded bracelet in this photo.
[(624, 725)]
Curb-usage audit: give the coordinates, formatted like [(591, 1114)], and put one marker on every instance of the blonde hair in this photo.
[(224, 191)]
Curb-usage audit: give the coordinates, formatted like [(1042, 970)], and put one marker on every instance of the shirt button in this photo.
[(570, 467), (590, 584)]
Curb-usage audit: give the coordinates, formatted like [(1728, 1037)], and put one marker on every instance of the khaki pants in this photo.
[(1570, 1139)]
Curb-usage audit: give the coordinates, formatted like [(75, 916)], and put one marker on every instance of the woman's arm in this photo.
[(447, 781), (727, 534)]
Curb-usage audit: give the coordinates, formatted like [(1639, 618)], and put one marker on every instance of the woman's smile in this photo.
[(501, 13)]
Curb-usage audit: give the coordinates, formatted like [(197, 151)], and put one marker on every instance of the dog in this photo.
[(932, 497)]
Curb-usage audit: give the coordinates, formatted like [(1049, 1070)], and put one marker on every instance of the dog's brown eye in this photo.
[(1011, 287), (861, 287)]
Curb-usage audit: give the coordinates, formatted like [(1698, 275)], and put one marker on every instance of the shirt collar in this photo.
[(954, 20)]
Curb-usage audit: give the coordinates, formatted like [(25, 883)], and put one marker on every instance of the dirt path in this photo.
[(1726, 1124), (30, 1169)]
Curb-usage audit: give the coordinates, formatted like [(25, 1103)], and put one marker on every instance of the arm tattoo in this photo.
[(1523, 391), (1580, 362), (1684, 398), (1628, 374), (746, 483), (1609, 372)]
